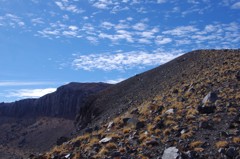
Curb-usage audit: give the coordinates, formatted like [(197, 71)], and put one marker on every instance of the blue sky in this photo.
[(45, 44)]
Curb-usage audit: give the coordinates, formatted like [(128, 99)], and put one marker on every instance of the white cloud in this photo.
[(122, 61), (181, 30), (236, 5), (11, 20), (73, 27), (120, 35), (36, 21), (162, 40), (19, 83), (30, 93), (102, 4), (161, 1), (92, 39), (139, 26), (66, 6), (115, 81)]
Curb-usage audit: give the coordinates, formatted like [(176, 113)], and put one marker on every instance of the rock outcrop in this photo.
[(64, 102)]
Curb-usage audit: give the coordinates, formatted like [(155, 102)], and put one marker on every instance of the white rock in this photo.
[(183, 131), (68, 155), (170, 153), (106, 139), (169, 111), (110, 125)]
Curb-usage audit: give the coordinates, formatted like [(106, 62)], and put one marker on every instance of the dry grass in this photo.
[(167, 131), (187, 135), (195, 144), (111, 145), (126, 130), (221, 144), (198, 149), (102, 152), (236, 140)]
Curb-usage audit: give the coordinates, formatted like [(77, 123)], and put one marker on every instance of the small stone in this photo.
[(152, 143), (159, 110), (170, 111), (105, 140), (67, 156), (206, 109), (125, 120), (110, 125), (210, 97), (238, 75), (205, 125), (170, 153), (140, 125), (231, 152), (135, 111), (115, 154)]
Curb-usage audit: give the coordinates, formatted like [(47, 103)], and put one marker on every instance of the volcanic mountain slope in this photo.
[(187, 108), (35, 125)]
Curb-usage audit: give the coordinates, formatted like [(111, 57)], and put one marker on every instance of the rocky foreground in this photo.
[(194, 112)]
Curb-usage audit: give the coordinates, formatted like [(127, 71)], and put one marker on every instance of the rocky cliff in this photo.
[(64, 102)]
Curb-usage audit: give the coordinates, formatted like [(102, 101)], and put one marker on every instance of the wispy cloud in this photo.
[(123, 61), (114, 81), (11, 20), (181, 30), (236, 5), (66, 6), (19, 83), (29, 93)]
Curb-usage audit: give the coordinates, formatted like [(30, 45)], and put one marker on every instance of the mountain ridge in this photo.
[(64, 102), (187, 108)]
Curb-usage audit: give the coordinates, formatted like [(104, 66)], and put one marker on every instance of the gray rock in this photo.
[(152, 143), (140, 125), (202, 109), (231, 152), (170, 153), (238, 75), (210, 97), (206, 125)]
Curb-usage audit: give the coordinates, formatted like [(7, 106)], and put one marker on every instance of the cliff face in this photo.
[(65, 102)]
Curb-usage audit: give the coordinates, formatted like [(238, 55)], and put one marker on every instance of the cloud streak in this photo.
[(19, 83), (30, 93), (122, 61)]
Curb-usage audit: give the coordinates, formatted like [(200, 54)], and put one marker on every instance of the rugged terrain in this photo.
[(35, 125), (186, 108)]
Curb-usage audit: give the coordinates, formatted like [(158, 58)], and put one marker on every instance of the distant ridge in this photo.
[(64, 102)]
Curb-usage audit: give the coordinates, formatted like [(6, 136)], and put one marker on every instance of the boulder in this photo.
[(170, 153)]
